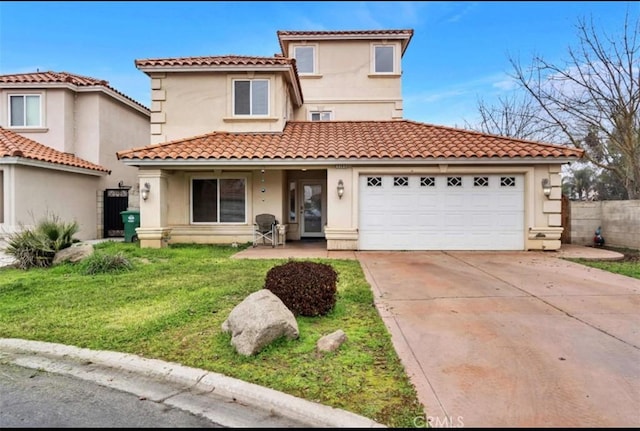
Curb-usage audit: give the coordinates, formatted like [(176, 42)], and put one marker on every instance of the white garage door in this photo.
[(441, 212)]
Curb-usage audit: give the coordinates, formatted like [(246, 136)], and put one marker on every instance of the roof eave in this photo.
[(295, 82), (279, 162), (24, 161), (215, 68), (404, 37)]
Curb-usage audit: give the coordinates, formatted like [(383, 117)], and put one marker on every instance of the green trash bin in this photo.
[(131, 220)]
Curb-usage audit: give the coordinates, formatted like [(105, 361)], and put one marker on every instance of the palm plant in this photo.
[(36, 247)]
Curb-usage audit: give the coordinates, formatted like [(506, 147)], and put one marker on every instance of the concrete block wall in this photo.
[(619, 220)]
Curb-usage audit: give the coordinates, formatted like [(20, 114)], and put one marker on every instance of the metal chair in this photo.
[(265, 229)]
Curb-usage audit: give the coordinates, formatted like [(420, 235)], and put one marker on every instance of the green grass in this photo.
[(629, 266), (171, 303)]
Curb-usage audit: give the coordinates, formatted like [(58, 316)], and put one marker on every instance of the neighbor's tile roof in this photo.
[(218, 60), (15, 145), (61, 78), (402, 139)]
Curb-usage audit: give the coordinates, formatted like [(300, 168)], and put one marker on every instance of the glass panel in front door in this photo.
[(312, 210)]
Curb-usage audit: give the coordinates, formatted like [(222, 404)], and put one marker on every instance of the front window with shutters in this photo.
[(251, 97), (25, 110)]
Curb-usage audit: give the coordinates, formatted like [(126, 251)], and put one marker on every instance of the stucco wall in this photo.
[(344, 83), (189, 104), (69, 196), (619, 221), (120, 127)]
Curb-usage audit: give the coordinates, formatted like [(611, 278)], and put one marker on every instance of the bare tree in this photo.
[(516, 116), (594, 99)]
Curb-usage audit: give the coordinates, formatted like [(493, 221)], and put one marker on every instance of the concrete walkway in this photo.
[(318, 249)]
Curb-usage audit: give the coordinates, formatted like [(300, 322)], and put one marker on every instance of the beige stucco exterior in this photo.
[(191, 103), (346, 84), (92, 124), (166, 216), (44, 192)]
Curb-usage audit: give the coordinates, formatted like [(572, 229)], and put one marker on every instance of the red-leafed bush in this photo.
[(306, 288)]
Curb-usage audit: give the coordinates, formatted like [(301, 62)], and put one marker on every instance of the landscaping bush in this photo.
[(306, 288), (36, 247), (100, 263)]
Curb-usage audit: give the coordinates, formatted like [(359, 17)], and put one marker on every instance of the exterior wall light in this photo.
[(546, 187), (340, 189), (144, 192)]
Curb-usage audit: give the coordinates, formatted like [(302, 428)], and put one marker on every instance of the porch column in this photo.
[(153, 231), (340, 231)]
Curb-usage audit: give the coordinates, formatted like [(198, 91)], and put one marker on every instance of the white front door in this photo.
[(312, 213)]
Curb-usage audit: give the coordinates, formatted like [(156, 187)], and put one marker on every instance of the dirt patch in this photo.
[(630, 255)]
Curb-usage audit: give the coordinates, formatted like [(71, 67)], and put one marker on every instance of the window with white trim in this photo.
[(401, 181), (374, 181), (384, 58), (251, 97), (218, 200), (481, 181), (454, 181), (25, 110), (507, 181), (427, 181), (305, 59), (321, 115)]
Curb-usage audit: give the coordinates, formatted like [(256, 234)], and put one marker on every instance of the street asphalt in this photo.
[(220, 400)]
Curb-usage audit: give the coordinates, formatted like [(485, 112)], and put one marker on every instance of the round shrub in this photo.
[(306, 288)]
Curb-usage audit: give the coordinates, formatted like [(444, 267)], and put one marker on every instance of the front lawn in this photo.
[(171, 306), (629, 266)]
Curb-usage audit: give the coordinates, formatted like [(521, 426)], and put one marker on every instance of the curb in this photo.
[(179, 386)]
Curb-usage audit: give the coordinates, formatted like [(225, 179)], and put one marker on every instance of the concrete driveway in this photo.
[(512, 339)]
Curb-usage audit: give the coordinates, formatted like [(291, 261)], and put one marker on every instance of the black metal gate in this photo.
[(115, 201)]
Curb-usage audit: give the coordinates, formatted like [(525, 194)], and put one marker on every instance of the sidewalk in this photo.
[(571, 251)]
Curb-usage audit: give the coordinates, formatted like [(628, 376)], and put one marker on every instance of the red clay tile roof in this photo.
[(346, 34), (218, 60), (382, 140), (223, 61), (61, 78), (15, 145)]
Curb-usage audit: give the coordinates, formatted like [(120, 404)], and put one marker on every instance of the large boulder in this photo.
[(73, 254), (257, 321)]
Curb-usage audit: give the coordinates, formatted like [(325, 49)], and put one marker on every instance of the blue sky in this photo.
[(459, 52)]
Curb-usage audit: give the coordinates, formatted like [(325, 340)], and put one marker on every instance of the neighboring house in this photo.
[(59, 134), (316, 136)]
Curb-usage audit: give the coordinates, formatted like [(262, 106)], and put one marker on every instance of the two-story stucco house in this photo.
[(59, 134), (316, 136)]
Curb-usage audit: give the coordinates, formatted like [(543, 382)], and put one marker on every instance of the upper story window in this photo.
[(251, 97), (321, 115), (305, 59), (383, 59), (24, 110)]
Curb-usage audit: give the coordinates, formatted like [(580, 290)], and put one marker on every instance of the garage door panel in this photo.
[(485, 212)]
